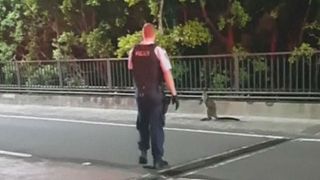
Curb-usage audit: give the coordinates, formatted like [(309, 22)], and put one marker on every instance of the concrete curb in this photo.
[(190, 106)]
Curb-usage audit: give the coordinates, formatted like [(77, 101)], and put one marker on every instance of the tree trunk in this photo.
[(215, 31), (185, 13), (84, 25), (160, 17), (273, 44), (230, 39), (304, 22)]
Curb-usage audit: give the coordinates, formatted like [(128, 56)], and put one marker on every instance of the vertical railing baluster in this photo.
[(236, 73), (60, 73), (310, 75), (267, 67), (18, 73), (284, 60), (297, 74), (109, 78), (272, 73), (303, 74)]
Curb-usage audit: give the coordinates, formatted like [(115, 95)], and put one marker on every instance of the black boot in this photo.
[(143, 158), (160, 164)]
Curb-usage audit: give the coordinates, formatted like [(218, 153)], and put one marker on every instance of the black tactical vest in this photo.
[(147, 72)]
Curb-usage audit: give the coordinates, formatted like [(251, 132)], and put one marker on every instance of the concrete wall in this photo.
[(233, 108)]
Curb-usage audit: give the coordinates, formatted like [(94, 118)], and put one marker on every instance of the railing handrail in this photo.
[(250, 75), (171, 57)]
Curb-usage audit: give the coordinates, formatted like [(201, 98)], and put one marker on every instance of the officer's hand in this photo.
[(175, 101)]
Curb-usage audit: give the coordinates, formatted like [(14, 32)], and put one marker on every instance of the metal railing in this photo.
[(262, 74)]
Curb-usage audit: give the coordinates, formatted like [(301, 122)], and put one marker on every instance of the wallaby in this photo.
[(211, 106), (212, 109)]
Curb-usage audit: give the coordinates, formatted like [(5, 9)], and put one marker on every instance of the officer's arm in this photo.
[(170, 82), (167, 75)]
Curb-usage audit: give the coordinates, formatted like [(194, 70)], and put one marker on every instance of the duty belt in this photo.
[(145, 90)]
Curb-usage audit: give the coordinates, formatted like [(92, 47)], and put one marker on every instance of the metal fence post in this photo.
[(18, 73), (236, 73), (60, 73), (109, 74)]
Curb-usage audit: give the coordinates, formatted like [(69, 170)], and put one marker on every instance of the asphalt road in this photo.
[(109, 148), (295, 160)]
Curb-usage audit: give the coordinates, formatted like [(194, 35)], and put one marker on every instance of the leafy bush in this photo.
[(304, 51), (74, 81), (45, 75), (191, 34), (244, 76), (240, 52), (97, 44), (127, 42), (8, 71), (63, 45), (220, 80), (259, 64), (178, 70)]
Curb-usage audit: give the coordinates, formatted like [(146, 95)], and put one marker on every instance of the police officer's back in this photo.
[(150, 66)]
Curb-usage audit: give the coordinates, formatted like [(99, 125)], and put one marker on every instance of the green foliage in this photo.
[(191, 34), (165, 41), (96, 2), (154, 7), (74, 81), (67, 6), (97, 43), (9, 73), (44, 75), (239, 52), (7, 51), (259, 64), (35, 20), (40, 29), (240, 17), (127, 42), (178, 70), (63, 45), (304, 51), (220, 80), (132, 2), (236, 17), (184, 1), (11, 28), (313, 31), (222, 23), (152, 4), (243, 75)]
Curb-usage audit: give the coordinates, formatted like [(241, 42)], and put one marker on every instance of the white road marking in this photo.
[(307, 140), (16, 154), (226, 133), (9, 96), (229, 161), (208, 157), (86, 164), (248, 156), (132, 125)]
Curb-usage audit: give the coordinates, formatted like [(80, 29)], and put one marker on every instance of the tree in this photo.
[(31, 29), (11, 28)]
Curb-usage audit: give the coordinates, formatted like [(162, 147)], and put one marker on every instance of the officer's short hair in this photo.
[(148, 30)]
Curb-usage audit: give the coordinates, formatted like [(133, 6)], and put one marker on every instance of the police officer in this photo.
[(150, 66)]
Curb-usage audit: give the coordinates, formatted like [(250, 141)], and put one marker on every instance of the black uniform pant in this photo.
[(150, 122)]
